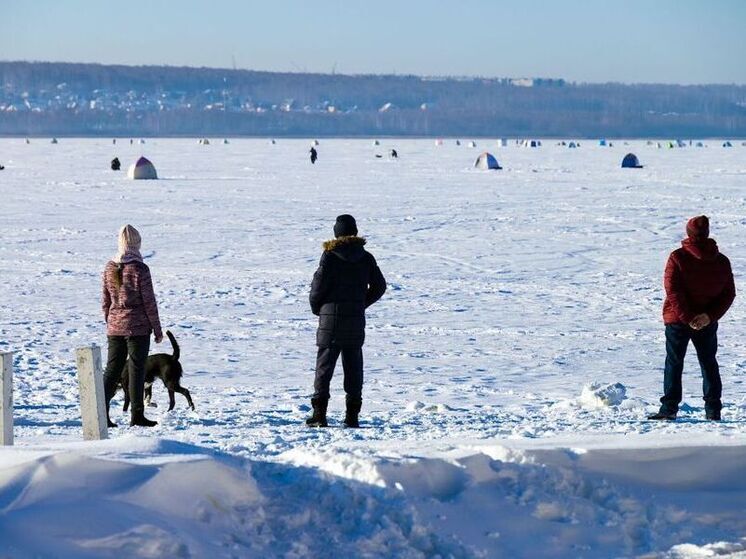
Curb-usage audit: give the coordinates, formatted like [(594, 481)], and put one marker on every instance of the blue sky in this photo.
[(671, 41)]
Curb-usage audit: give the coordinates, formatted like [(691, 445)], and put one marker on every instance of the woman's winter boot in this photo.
[(138, 419)]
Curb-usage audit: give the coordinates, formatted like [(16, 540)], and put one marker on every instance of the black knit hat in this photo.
[(345, 226)]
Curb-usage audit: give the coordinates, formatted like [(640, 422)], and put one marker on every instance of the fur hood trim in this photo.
[(344, 241)]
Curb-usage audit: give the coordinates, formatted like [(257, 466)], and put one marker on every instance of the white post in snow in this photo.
[(6, 398), (91, 387)]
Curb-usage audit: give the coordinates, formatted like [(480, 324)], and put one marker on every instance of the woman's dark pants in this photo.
[(706, 343), (120, 348)]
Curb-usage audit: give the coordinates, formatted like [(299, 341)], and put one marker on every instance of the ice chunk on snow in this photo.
[(597, 395), (417, 406)]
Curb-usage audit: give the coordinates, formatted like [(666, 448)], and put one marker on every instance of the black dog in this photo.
[(165, 367)]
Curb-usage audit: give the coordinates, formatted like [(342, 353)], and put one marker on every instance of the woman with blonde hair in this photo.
[(131, 315)]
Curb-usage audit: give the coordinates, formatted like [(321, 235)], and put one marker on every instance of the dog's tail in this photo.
[(177, 351)]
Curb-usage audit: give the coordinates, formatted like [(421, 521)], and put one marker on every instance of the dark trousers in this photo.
[(352, 363), (121, 347), (706, 343)]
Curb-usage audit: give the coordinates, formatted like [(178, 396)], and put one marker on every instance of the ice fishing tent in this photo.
[(503, 142), (472, 144), (727, 145), (532, 143), (630, 161), (487, 161), (700, 145), (572, 145), (602, 143), (54, 140), (142, 169), (376, 143)]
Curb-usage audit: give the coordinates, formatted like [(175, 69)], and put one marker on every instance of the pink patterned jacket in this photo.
[(131, 309)]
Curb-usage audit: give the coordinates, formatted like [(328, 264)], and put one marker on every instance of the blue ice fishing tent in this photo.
[(487, 161), (630, 161), (572, 145), (602, 143)]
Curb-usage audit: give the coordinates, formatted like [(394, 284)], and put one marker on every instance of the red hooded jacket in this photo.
[(698, 279)]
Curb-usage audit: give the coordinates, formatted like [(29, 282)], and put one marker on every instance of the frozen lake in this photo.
[(509, 291)]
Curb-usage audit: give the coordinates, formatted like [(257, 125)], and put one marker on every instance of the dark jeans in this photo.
[(706, 343), (121, 347), (352, 363)]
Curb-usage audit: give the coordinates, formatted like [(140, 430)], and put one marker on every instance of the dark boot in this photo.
[(713, 415), (318, 419), (352, 412), (663, 416), (139, 420)]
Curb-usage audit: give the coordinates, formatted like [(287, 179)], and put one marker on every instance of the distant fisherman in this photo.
[(314, 155), (394, 155), (116, 164), (699, 291)]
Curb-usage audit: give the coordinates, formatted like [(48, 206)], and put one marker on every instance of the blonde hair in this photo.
[(129, 239)]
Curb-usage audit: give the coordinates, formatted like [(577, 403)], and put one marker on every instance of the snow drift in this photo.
[(155, 498)]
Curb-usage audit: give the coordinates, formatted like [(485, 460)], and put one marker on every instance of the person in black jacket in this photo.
[(314, 155), (347, 282)]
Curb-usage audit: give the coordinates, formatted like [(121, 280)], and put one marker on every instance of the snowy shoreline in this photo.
[(509, 293)]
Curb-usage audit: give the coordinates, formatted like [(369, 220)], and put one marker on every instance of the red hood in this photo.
[(706, 249)]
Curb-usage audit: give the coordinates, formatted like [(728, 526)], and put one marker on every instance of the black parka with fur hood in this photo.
[(347, 282)]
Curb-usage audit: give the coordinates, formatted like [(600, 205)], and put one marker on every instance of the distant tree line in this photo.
[(91, 99)]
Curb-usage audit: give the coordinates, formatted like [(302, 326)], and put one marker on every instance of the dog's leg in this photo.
[(175, 387), (149, 395), (126, 389), (185, 392), (171, 398)]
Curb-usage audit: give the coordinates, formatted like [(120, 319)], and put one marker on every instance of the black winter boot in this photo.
[(713, 415), (352, 412), (663, 416), (138, 419), (318, 419)]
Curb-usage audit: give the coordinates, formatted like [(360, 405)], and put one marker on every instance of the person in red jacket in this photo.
[(131, 315), (699, 291)]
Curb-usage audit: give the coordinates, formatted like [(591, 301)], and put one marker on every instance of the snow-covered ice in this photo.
[(508, 368)]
